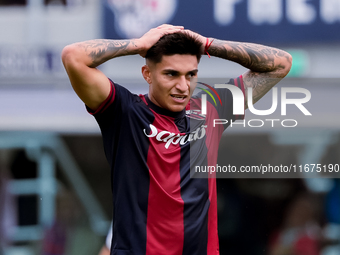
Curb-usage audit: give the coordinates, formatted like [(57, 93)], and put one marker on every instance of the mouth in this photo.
[(179, 98)]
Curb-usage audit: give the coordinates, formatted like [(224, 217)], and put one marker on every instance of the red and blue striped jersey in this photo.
[(158, 209)]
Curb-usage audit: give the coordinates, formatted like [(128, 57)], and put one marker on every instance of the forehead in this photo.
[(178, 62)]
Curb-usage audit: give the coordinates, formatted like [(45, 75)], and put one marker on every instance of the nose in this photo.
[(183, 84)]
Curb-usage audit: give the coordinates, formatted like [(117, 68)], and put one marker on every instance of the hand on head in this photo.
[(154, 34), (199, 37)]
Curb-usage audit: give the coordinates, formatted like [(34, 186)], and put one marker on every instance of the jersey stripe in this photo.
[(194, 193), (212, 142), (165, 206)]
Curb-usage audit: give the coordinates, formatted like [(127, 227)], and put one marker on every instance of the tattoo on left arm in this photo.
[(255, 57), (267, 65)]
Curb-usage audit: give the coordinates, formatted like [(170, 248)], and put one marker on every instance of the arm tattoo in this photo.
[(255, 57), (260, 83), (102, 50), (267, 65)]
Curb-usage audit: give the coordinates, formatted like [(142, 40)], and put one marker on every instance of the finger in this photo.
[(171, 31), (190, 32), (167, 26)]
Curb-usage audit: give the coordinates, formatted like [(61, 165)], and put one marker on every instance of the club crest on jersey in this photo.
[(133, 18), (172, 138), (195, 114)]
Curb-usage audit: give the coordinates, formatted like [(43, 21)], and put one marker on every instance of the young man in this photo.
[(151, 140)]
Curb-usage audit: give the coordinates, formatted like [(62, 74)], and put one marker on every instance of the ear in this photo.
[(146, 73)]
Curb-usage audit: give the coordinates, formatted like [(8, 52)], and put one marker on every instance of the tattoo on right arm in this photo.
[(102, 50)]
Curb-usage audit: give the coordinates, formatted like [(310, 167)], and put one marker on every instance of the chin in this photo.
[(177, 108)]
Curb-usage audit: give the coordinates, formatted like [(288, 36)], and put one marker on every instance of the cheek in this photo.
[(193, 84), (163, 86), (158, 91)]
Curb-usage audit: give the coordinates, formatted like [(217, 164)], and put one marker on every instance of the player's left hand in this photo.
[(153, 35)]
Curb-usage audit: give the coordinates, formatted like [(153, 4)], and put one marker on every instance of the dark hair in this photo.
[(175, 43)]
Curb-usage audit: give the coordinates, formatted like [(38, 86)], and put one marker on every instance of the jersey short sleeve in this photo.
[(111, 113), (118, 96)]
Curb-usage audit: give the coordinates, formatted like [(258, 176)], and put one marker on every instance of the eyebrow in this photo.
[(194, 71)]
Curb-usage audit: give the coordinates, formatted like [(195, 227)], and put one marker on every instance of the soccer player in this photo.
[(152, 140)]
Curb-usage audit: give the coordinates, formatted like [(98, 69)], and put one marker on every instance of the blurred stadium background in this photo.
[(54, 179)]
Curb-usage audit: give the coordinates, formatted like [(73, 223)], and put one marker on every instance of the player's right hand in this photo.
[(153, 35)]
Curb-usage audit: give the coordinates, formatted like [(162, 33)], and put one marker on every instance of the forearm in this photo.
[(256, 57), (95, 52)]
